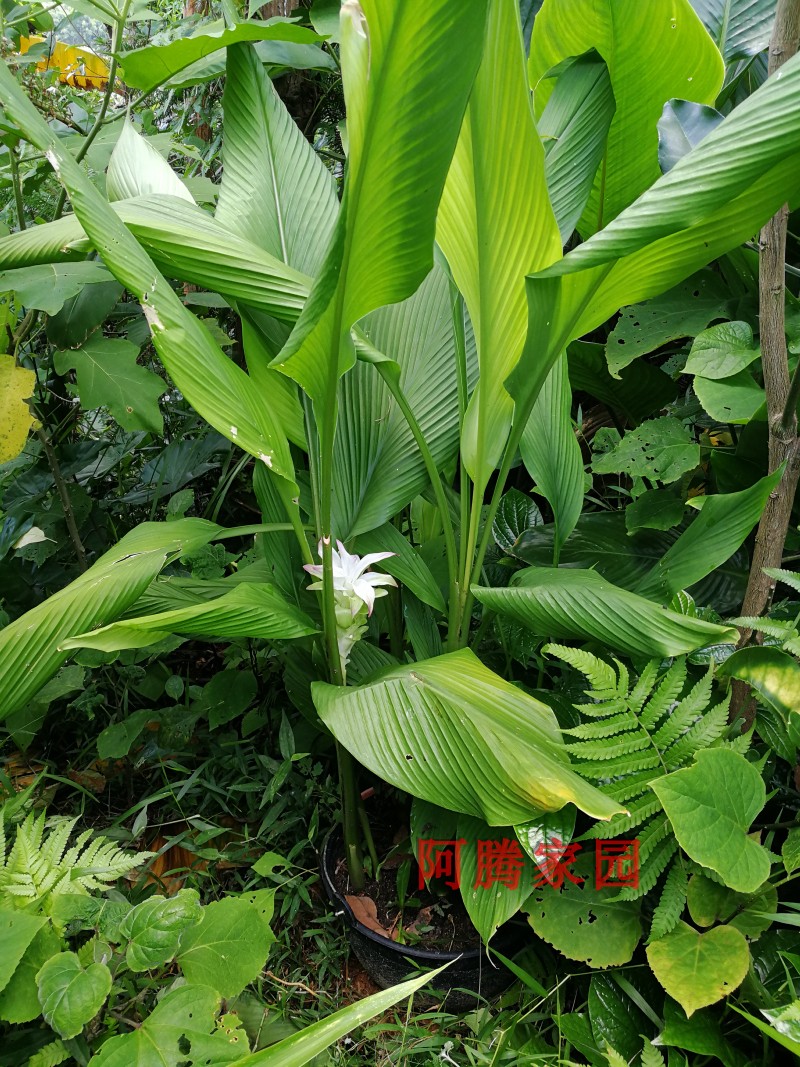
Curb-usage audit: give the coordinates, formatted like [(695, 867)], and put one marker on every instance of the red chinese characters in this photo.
[(616, 865), (441, 860)]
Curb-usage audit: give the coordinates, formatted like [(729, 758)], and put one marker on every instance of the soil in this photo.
[(436, 921)]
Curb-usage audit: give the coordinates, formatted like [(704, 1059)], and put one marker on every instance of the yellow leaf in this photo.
[(16, 419)]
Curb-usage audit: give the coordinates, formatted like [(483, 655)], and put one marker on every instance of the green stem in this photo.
[(80, 155), (17, 189), (292, 505), (465, 606), (451, 551)]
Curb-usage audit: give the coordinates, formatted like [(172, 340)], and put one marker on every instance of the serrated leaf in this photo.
[(180, 1030), (735, 399), (153, 928), (790, 850), (699, 969), (16, 418), (71, 995), (109, 377), (722, 790), (656, 509), (228, 948), (47, 286), (228, 695), (585, 923), (659, 450), (722, 350), (19, 1001)]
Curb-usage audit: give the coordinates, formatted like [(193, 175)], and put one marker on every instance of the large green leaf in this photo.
[(47, 287), (452, 732), (16, 418), (711, 806), (145, 68), (228, 948), (71, 994), (720, 529), (495, 225), (249, 610), (136, 168), (601, 541), (712, 199), (378, 468), (185, 242), (17, 930), (583, 922), (551, 453), (652, 56), (574, 126), (153, 928), (219, 390), (398, 63), (699, 969), (566, 603), (181, 1029), (275, 190), (739, 27), (774, 674), (109, 376), (406, 565), (31, 646)]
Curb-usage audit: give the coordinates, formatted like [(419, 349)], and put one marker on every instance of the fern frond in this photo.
[(671, 902), (644, 687), (649, 873), (605, 749), (702, 735), (599, 674), (667, 693), (639, 812), (769, 627), (787, 577), (615, 725), (607, 770), (651, 1057), (50, 1056)]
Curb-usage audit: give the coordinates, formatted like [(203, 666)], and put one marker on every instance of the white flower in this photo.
[(351, 585)]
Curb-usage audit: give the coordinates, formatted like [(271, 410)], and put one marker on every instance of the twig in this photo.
[(297, 985), (66, 502)]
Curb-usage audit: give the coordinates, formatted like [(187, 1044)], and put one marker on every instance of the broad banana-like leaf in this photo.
[(719, 530), (249, 610), (713, 199), (275, 190), (452, 732), (301, 1048), (185, 242), (774, 674), (150, 66), (400, 62), (566, 603), (739, 28), (136, 169), (276, 389), (573, 127), (377, 466), (215, 387), (653, 54), (495, 225), (551, 453), (406, 565), (31, 647)]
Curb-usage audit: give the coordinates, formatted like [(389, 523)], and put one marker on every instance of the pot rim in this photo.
[(326, 859)]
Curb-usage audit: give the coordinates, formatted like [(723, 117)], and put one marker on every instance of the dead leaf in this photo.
[(365, 911)]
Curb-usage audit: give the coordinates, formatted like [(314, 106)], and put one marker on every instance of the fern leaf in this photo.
[(606, 749), (703, 734), (587, 731), (787, 577), (599, 674), (644, 687), (792, 645), (651, 871), (668, 691), (50, 1056), (609, 769), (671, 902), (781, 631), (651, 1057), (639, 812), (613, 1057)]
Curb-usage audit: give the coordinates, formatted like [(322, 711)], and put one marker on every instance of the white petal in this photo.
[(374, 557), (314, 569), (378, 579), (364, 591)]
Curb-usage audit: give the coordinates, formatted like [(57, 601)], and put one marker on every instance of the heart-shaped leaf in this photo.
[(71, 995), (154, 927), (711, 806), (699, 969)]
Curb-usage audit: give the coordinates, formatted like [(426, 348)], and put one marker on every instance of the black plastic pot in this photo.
[(388, 962)]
